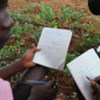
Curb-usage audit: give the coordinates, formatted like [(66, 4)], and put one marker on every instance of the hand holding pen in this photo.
[(43, 91), (40, 82), (95, 85)]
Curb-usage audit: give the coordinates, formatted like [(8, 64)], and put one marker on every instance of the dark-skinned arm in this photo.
[(20, 65), (7, 71)]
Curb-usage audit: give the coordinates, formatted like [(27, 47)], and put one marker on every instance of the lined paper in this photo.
[(88, 64), (54, 44)]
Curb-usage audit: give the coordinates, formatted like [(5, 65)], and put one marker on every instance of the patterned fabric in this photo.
[(5, 90)]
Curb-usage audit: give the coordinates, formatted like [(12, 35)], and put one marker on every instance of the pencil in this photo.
[(39, 82), (88, 78)]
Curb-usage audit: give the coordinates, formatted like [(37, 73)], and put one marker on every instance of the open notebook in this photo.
[(54, 44), (88, 64)]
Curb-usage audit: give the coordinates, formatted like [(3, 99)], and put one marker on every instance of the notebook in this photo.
[(86, 65), (54, 44)]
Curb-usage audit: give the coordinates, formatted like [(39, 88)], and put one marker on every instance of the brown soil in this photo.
[(56, 4)]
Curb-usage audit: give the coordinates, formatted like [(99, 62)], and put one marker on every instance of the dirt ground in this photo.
[(81, 5), (59, 3), (67, 89)]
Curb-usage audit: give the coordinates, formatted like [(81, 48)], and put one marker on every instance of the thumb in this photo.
[(96, 87), (46, 78), (51, 84), (36, 50)]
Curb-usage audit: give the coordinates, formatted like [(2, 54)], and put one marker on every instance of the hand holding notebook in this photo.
[(87, 64), (54, 45)]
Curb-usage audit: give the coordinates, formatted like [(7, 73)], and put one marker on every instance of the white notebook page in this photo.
[(54, 44), (88, 64)]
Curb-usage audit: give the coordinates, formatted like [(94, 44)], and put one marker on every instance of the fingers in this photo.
[(46, 78), (52, 88), (95, 87), (51, 84), (35, 50), (97, 79)]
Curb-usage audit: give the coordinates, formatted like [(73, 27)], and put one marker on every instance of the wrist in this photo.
[(20, 65), (26, 63)]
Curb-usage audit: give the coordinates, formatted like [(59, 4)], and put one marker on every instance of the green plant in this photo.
[(69, 14), (29, 8), (17, 30), (46, 14), (28, 24), (13, 51), (69, 58)]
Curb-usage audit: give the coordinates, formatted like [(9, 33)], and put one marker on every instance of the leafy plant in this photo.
[(28, 24), (46, 14)]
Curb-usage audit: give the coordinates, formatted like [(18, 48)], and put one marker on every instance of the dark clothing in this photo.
[(94, 6), (21, 91)]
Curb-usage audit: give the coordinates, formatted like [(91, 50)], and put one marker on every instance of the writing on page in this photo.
[(88, 64), (54, 44)]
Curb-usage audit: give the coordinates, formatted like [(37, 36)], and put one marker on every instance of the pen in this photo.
[(88, 78), (39, 82)]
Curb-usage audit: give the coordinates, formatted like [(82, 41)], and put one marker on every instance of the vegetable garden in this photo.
[(29, 22)]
